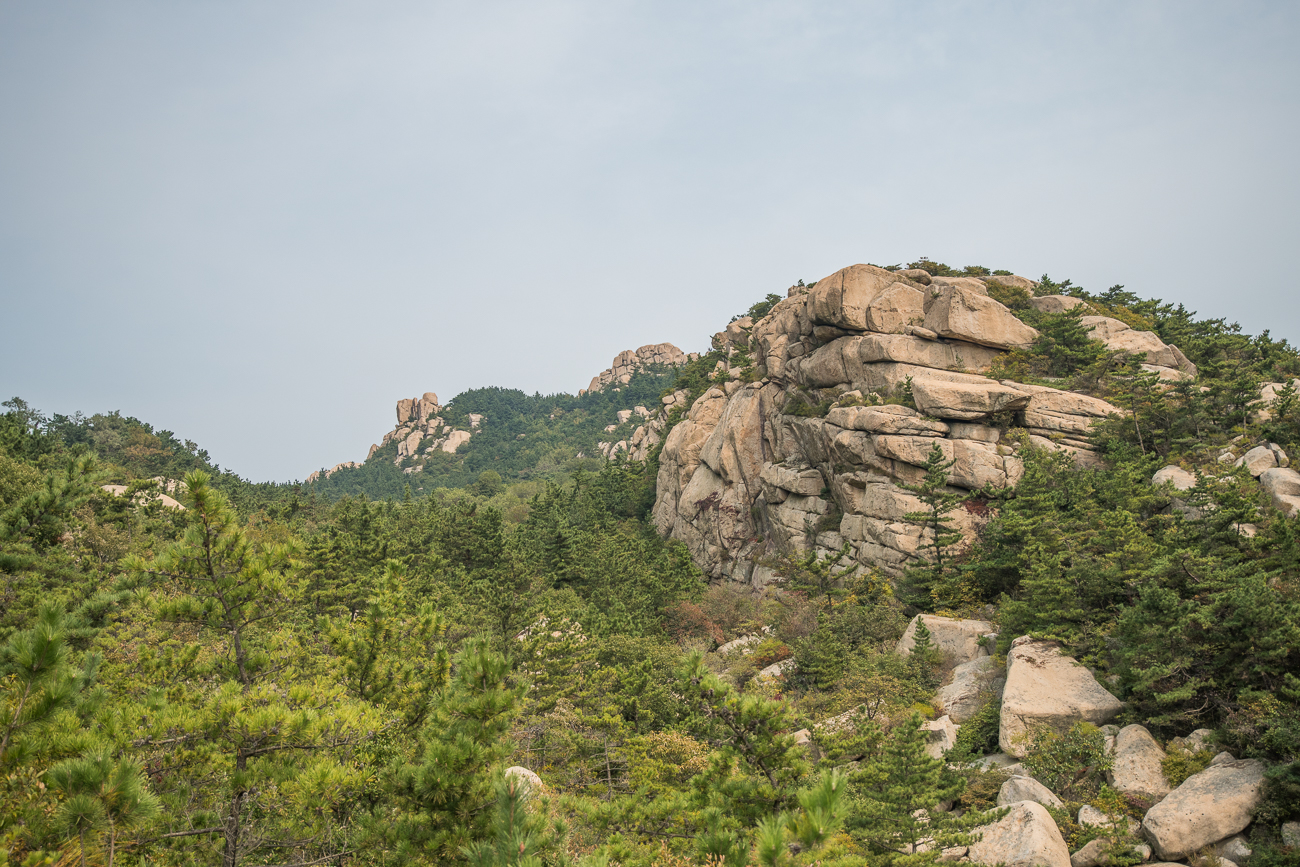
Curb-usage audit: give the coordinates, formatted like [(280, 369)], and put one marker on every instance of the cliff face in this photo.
[(741, 477)]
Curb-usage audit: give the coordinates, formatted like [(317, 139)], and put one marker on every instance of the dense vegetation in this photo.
[(280, 675), (523, 437)]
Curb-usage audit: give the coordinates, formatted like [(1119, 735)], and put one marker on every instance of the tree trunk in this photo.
[(230, 856)]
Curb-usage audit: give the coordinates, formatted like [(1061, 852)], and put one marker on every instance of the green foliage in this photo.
[(897, 792), (1073, 765), (445, 793), (938, 533), (519, 835), (805, 405), (1178, 765), (978, 736), (760, 308)]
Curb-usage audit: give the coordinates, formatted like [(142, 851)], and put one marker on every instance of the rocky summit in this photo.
[(744, 476)]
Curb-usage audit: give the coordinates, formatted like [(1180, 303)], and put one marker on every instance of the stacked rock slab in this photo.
[(740, 479)]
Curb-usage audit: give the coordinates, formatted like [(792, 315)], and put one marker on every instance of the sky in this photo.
[(259, 225)]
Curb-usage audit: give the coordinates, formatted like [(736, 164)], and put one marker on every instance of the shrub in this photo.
[(1178, 765), (1072, 765), (979, 734)]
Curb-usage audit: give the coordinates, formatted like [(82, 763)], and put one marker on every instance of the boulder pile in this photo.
[(1205, 814)]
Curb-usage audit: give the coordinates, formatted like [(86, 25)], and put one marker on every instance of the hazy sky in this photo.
[(260, 224)]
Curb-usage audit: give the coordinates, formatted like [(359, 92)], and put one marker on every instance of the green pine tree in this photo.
[(938, 533), (896, 795)]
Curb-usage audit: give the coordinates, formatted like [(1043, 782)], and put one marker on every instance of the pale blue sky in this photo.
[(260, 224)]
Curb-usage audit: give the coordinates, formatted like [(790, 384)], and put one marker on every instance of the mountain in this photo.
[(505, 431)]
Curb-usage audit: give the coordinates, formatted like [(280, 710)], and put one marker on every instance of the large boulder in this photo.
[(1025, 837), (1120, 337), (1176, 476), (1282, 485), (529, 778), (972, 684), (1257, 460), (888, 419), (957, 640), (911, 349), (841, 300), (1047, 688), (941, 736), (1015, 281), (894, 308), (1136, 765), (958, 312), (1019, 789), (974, 464), (970, 284), (1208, 807)]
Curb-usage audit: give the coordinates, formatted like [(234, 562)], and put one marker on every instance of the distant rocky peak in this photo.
[(630, 361), (417, 408)]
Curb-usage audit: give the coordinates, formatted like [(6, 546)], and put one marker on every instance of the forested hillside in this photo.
[(342, 673), (521, 437)]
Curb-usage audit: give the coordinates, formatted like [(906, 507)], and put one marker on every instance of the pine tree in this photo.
[(258, 731), (392, 653), (938, 534), (518, 836), (896, 794), (446, 792), (102, 796)]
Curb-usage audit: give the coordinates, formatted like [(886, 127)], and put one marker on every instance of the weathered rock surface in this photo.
[(1045, 687), (142, 497), (1019, 789), (959, 312), (1025, 837), (1208, 807), (454, 440), (1136, 768), (1176, 476), (957, 640), (972, 684), (1257, 460), (1013, 280), (740, 479), (965, 401), (629, 361), (1056, 303), (530, 779), (1283, 487), (1120, 337)]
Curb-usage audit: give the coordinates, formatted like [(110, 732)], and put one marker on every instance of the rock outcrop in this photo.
[(629, 361), (1166, 360), (1047, 688), (144, 497), (1019, 789), (332, 470), (750, 471)]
